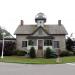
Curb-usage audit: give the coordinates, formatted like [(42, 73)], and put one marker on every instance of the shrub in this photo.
[(69, 44), (0, 48), (20, 53), (48, 52), (9, 47), (53, 54), (74, 53), (32, 53), (66, 53)]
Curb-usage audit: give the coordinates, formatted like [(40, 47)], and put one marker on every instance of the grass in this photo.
[(24, 60)]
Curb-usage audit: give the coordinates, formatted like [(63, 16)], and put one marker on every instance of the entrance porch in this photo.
[(40, 43)]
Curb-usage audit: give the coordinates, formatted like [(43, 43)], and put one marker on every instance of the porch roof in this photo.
[(40, 37)]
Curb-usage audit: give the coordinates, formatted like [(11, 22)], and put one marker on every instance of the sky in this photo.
[(12, 11)]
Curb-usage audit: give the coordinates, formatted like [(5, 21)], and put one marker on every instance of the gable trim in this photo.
[(42, 29)]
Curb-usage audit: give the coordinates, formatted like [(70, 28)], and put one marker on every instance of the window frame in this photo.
[(56, 44), (32, 42), (48, 43), (23, 43)]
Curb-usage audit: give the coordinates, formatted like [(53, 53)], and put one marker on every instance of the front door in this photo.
[(40, 48), (40, 44)]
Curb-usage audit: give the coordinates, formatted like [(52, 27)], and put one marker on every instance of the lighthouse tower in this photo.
[(40, 19)]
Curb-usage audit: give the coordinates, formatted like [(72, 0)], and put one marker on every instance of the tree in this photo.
[(32, 53), (48, 52), (69, 44), (0, 33), (9, 48), (4, 30)]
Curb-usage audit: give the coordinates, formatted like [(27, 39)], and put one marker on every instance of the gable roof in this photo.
[(40, 27), (51, 29)]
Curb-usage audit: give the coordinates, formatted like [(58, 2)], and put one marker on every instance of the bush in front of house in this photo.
[(74, 53), (20, 53), (53, 54), (66, 53), (32, 53), (48, 53)]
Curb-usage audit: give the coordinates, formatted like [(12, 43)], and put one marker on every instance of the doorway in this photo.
[(40, 44)]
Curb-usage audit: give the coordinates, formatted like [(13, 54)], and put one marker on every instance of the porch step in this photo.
[(40, 53)]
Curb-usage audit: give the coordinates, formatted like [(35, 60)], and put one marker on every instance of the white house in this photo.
[(40, 35)]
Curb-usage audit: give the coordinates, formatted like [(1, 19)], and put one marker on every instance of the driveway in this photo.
[(29, 69)]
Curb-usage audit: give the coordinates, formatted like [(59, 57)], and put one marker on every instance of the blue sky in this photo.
[(12, 11)]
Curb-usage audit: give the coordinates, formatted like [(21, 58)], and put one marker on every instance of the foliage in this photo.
[(9, 48), (20, 53), (0, 33), (66, 53), (53, 54), (48, 52), (4, 30), (74, 53), (0, 48), (32, 53), (69, 44)]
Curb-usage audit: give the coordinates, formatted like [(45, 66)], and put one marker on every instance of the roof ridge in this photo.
[(51, 29)]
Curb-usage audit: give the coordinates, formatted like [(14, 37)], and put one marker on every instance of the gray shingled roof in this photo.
[(51, 29)]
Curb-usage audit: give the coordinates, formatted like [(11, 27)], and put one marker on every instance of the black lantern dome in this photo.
[(40, 16)]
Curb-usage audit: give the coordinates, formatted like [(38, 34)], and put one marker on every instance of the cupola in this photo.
[(40, 19)]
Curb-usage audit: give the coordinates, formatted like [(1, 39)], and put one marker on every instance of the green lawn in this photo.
[(24, 60)]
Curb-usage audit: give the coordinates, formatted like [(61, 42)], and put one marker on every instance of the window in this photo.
[(47, 42), (56, 44), (32, 42), (24, 43)]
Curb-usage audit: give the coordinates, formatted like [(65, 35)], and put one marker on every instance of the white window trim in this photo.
[(53, 43), (32, 39), (51, 40), (27, 43)]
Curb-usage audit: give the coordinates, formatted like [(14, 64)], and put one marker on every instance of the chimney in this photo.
[(22, 23), (59, 22)]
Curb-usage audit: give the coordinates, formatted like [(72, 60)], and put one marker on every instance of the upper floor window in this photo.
[(24, 43)]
